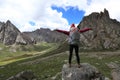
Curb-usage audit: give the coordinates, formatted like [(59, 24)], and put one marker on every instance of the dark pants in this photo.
[(72, 47)]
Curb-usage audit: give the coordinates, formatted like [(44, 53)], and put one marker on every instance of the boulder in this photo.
[(85, 72), (24, 75)]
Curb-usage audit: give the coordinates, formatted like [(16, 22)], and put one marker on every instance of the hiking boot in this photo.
[(79, 65)]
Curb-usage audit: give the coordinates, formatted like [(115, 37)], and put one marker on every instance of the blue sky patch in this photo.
[(32, 23), (73, 15)]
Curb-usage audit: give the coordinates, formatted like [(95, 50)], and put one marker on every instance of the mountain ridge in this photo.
[(46, 35), (10, 34)]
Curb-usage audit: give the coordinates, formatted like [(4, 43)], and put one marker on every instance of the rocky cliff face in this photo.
[(8, 33), (24, 39), (105, 33)]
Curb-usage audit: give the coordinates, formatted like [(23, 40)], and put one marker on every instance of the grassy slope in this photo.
[(46, 67), (14, 53)]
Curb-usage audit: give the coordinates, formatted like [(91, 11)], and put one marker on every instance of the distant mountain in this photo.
[(46, 35), (9, 35), (105, 33)]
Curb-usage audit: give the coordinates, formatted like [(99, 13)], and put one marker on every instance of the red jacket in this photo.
[(67, 32)]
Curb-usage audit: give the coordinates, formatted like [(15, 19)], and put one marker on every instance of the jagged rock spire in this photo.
[(106, 13)]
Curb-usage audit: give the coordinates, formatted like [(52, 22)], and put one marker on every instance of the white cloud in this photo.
[(21, 12), (98, 5)]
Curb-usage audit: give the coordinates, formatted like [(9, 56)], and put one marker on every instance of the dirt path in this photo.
[(41, 59), (102, 54)]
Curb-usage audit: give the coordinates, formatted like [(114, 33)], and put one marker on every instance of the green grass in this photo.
[(45, 69), (100, 64)]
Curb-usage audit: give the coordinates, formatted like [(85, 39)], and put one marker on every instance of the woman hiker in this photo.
[(74, 38)]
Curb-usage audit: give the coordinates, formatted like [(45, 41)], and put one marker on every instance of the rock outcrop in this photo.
[(24, 75), (105, 33), (86, 72)]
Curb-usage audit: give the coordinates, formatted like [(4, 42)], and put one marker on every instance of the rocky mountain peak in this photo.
[(8, 22), (105, 33), (106, 13), (10, 34), (95, 15), (11, 26)]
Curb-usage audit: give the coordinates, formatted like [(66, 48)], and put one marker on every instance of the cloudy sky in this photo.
[(29, 15)]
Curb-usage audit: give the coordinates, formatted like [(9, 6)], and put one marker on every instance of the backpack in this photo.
[(74, 37)]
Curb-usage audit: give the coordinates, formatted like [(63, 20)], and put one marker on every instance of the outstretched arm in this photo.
[(63, 31), (85, 29)]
